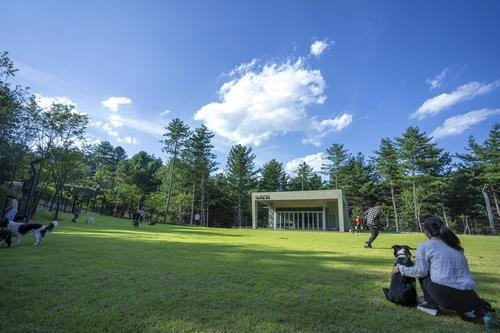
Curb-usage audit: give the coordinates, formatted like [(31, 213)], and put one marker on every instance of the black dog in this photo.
[(402, 290), (5, 237)]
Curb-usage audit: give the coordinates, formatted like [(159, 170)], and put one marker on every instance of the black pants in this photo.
[(450, 298), (374, 231)]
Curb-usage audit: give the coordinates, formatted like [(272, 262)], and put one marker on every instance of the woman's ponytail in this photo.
[(436, 227)]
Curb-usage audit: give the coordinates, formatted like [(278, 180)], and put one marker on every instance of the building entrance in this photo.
[(302, 220)]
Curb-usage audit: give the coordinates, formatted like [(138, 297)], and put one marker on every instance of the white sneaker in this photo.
[(428, 308)]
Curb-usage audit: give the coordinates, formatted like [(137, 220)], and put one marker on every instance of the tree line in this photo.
[(44, 150)]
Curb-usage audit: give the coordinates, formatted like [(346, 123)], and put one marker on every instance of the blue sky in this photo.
[(288, 78)]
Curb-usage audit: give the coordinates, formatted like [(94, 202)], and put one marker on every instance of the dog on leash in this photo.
[(18, 230), (402, 289), (5, 237)]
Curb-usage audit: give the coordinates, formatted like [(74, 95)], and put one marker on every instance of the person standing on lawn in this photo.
[(372, 217), (11, 210), (444, 275), (76, 211), (358, 221)]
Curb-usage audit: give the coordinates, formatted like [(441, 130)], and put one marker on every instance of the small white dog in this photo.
[(90, 220), (20, 229)]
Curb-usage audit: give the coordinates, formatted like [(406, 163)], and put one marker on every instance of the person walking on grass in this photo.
[(444, 275), (372, 217), (76, 211)]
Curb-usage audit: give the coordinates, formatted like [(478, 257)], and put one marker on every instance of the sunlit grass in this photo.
[(108, 277)]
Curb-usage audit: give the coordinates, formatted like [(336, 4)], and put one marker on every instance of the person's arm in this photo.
[(421, 268)]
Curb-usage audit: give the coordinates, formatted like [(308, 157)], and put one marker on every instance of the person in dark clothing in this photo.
[(76, 211), (372, 216)]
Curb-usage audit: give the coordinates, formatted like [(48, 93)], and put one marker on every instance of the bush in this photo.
[(4, 192)]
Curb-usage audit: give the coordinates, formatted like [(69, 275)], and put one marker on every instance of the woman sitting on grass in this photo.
[(444, 275)]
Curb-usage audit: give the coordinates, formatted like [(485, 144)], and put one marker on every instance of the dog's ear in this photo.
[(396, 249)]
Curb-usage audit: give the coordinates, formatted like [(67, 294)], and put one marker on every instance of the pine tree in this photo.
[(273, 177), (420, 158), (336, 156), (306, 179), (241, 175), (174, 142), (387, 165), (198, 154), (486, 159)]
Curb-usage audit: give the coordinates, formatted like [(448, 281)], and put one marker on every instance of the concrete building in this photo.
[(302, 210)]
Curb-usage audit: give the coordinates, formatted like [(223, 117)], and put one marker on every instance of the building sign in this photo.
[(263, 197)]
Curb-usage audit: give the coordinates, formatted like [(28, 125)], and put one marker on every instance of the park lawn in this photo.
[(108, 277)]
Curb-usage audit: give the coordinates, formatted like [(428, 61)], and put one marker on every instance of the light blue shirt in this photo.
[(445, 265)]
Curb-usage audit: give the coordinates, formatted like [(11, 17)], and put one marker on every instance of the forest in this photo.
[(45, 160)]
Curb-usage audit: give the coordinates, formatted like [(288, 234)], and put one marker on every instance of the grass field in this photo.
[(109, 278)]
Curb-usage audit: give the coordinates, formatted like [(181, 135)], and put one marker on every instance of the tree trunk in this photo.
[(444, 214), (208, 207), (495, 200), (415, 206), (202, 204), (192, 207), (393, 196), (58, 204), (239, 211), (169, 194)]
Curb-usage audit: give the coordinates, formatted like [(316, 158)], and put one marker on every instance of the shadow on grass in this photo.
[(125, 284)]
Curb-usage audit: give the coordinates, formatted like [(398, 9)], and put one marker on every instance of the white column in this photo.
[(340, 205), (324, 218), (275, 218), (254, 212)]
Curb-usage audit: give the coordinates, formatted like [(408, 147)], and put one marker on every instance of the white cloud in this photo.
[(244, 67), (114, 103), (318, 47), (128, 139), (437, 81), (442, 102), (46, 102), (460, 123), (263, 102), (164, 113), (112, 132), (325, 127), (315, 161)]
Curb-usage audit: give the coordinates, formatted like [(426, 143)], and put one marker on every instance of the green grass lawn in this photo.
[(109, 278)]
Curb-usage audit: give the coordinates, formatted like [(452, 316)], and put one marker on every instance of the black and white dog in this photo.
[(5, 237), (18, 230), (402, 290)]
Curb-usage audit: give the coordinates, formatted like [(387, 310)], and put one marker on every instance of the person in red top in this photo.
[(358, 222)]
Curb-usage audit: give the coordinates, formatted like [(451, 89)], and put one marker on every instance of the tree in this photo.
[(16, 131), (306, 179), (487, 157), (174, 141), (241, 176), (387, 165), (198, 154), (63, 130), (336, 156), (357, 182), (420, 158), (66, 165), (273, 177)]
